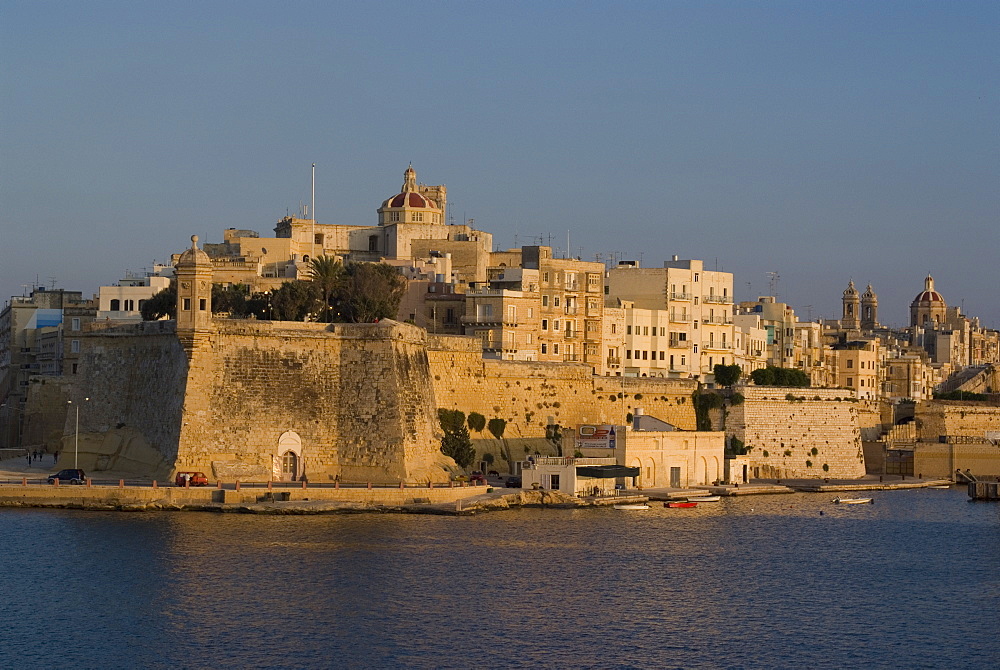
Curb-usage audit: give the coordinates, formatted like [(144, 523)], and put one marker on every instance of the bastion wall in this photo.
[(783, 426), (531, 395)]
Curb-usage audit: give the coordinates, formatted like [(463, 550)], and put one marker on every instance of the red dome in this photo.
[(927, 297), (409, 200)]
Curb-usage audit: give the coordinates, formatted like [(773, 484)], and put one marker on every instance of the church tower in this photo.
[(852, 308), (869, 309), (194, 296)]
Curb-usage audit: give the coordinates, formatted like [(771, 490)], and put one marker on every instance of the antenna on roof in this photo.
[(773, 284)]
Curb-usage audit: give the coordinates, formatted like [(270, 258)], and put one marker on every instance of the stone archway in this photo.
[(288, 463)]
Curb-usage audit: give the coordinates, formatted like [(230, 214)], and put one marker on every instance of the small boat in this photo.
[(853, 501), (704, 498), (680, 503), (940, 486), (632, 506)]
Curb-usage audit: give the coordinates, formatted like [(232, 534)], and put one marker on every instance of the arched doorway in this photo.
[(289, 465)]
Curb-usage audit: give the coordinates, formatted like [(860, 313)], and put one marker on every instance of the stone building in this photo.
[(694, 308)]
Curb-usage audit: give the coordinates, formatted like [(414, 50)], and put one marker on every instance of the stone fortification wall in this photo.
[(935, 459), (953, 418), (350, 400), (135, 377), (797, 437), (528, 395)]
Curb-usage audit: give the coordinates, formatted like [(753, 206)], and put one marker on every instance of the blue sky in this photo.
[(823, 141)]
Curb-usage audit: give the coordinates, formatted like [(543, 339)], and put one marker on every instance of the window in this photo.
[(628, 354), (512, 312), (850, 381), (671, 360), (850, 364), (555, 325), (116, 306), (187, 304), (645, 330), (661, 355), (555, 348), (644, 355), (636, 354), (418, 217), (628, 330), (696, 276), (373, 243), (531, 312), (76, 324), (394, 216), (545, 301), (318, 239), (544, 348), (545, 325), (696, 325), (545, 277), (527, 338), (202, 304), (555, 301), (130, 305), (449, 315), (614, 328), (74, 346), (695, 348), (75, 367), (683, 360)]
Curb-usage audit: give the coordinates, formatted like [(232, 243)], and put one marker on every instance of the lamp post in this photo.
[(76, 438)]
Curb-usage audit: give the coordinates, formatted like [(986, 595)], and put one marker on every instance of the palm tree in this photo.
[(327, 273)]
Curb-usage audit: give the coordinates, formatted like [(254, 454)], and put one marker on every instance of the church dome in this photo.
[(409, 196), (928, 296)]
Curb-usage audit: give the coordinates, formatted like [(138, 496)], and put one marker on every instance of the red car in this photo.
[(191, 478)]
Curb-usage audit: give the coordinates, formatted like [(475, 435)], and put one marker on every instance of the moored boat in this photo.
[(632, 506), (680, 503), (704, 498), (853, 501)]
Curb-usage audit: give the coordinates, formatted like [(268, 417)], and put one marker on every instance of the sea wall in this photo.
[(798, 432)]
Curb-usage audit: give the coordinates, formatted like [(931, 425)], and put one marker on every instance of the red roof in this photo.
[(414, 200)]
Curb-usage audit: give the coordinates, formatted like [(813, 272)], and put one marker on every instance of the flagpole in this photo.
[(312, 208)]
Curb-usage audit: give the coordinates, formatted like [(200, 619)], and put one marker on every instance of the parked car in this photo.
[(477, 476), (71, 475), (513, 483), (194, 478)]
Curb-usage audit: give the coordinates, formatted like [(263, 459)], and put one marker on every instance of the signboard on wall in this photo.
[(595, 437)]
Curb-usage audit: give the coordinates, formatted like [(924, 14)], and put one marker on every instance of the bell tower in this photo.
[(869, 309), (852, 308)]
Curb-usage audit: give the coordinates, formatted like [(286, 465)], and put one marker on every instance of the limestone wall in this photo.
[(529, 395), (934, 459), (953, 418), (135, 377), (350, 400), (783, 433)]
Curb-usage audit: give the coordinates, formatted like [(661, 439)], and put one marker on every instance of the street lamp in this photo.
[(76, 439)]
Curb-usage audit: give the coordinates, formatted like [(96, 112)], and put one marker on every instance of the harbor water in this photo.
[(780, 581)]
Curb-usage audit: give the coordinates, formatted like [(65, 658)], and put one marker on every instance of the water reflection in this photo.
[(775, 581)]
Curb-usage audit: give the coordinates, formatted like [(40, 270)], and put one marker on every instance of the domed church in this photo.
[(929, 307)]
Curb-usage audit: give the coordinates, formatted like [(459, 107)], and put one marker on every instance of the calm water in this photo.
[(762, 582)]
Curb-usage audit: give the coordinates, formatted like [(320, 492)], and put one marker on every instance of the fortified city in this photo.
[(410, 354)]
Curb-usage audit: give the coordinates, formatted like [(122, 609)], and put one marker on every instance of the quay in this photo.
[(984, 490)]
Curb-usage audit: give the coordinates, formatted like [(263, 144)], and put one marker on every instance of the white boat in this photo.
[(631, 506), (940, 486), (852, 501), (704, 498)]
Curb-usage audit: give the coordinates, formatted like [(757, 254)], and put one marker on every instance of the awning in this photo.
[(605, 471)]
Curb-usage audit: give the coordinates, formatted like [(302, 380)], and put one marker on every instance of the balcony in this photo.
[(717, 321), (570, 334), (614, 360), (680, 318), (571, 358), (717, 346), (574, 286), (570, 310), (679, 344), (496, 320), (717, 299), (681, 296)]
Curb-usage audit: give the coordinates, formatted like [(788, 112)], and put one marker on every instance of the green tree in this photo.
[(727, 375), (456, 442), (295, 301), (231, 299), (369, 292), (162, 304), (476, 421), (327, 273), (775, 376)]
